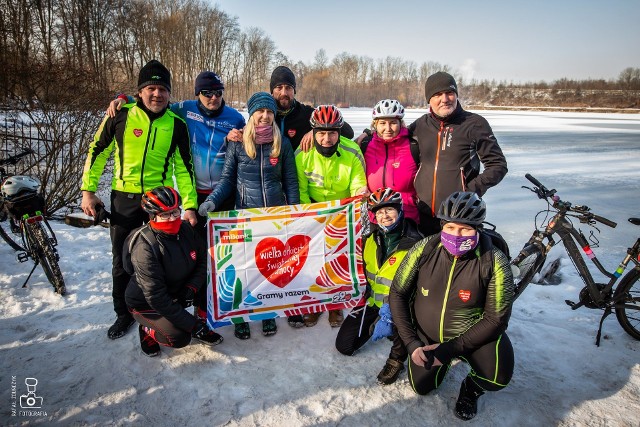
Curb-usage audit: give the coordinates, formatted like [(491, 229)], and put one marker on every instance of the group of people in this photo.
[(421, 180)]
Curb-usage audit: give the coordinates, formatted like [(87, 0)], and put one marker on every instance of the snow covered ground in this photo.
[(297, 377)]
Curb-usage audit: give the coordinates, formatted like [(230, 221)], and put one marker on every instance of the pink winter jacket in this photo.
[(390, 164)]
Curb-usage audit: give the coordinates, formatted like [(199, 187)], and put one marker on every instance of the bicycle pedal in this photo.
[(22, 257), (573, 305)]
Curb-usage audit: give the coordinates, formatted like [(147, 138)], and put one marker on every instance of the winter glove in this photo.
[(384, 325), (205, 207), (189, 296), (101, 214)]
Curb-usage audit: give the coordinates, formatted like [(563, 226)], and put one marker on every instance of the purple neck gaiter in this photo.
[(458, 245), (264, 134)]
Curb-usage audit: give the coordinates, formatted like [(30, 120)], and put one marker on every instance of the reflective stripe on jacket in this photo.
[(380, 277)]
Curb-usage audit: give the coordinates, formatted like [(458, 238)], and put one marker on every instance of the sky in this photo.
[(502, 40), (296, 377)]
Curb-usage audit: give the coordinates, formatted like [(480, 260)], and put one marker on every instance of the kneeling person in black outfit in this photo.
[(445, 307), (167, 261)]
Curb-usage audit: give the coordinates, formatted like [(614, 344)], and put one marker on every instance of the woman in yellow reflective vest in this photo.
[(391, 238)]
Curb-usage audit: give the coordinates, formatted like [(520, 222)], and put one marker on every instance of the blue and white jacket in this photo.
[(207, 132)]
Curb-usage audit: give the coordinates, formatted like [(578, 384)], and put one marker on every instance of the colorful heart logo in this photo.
[(291, 133), (273, 161), (137, 132), (464, 295), (281, 262)]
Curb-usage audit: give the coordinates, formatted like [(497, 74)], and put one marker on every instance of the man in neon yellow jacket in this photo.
[(151, 147), (333, 170)]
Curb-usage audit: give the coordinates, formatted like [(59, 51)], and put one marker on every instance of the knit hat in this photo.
[(261, 100), (154, 73), (208, 80), (282, 75), (439, 82)]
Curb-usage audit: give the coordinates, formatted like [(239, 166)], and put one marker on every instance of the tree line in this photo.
[(62, 61)]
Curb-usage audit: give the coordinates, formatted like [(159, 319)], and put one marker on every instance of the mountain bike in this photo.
[(22, 204), (624, 298)]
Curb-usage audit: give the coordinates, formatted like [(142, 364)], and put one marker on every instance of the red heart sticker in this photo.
[(291, 133), (273, 161), (137, 132), (392, 260), (281, 262), (464, 295), (193, 255)]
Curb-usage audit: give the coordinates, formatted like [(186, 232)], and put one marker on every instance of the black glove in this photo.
[(430, 359), (189, 296), (101, 214)]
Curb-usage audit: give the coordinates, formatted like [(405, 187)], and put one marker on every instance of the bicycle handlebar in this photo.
[(544, 193), (12, 160)]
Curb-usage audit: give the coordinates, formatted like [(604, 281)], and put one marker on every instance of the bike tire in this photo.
[(7, 238), (629, 315), (529, 262), (47, 256)]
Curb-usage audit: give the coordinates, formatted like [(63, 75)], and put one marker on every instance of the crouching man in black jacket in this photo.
[(167, 261)]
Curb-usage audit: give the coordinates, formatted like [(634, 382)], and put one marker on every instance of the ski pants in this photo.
[(351, 337), (491, 368)]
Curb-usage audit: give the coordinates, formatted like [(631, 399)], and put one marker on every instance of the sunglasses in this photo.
[(170, 215), (211, 93)]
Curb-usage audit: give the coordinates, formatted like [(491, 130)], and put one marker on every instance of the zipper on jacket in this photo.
[(464, 184), (144, 157), (155, 134), (446, 296), (435, 171), (264, 194), (384, 166)]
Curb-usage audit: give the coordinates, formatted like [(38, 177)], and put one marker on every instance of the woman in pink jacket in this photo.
[(387, 155)]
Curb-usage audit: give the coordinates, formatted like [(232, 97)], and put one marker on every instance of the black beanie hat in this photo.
[(282, 75), (154, 73), (208, 80), (439, 82)]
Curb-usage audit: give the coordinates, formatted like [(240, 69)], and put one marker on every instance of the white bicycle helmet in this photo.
[(16, 185), (388, 108)]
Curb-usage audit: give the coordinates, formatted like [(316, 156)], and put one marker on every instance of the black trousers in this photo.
[(126, 215), (162, 330), (349, 340), (491, 368)]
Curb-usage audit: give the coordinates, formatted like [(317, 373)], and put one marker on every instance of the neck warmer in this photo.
[(458, 245), (283, 113), (168, 227), (264, 134), (151, 114), (404, 133), (325, 151)]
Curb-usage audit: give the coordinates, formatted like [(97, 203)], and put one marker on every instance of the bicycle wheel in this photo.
[(629, 315), (47, 256), (7, 238), (528, 262)]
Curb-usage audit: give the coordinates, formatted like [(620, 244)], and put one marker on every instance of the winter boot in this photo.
[(390, 372), (336, 318), (467, 404), (311, 319), (207, 336), (149, 346), (269, 327), (242, 331), (120, 327), (295, 321)]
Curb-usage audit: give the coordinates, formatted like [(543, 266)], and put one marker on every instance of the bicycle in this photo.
[(23, 205), (624, 298)]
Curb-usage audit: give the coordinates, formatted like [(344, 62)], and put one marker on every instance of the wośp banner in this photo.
[(283, 261)]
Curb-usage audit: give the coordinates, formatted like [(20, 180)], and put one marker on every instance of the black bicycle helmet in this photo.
[(463, 207), (384, 197), (160, 199)]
